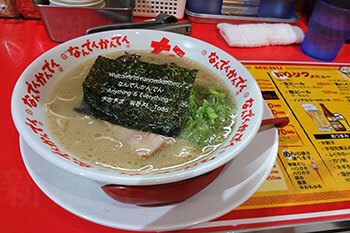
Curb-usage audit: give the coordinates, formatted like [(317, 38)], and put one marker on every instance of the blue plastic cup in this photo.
[(276, 8), (328, 29)]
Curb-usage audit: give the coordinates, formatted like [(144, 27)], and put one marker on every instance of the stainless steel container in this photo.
[(237, 19), (65, 23), (240, 7)]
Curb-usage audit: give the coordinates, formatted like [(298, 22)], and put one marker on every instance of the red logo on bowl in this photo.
[(102, 44), (163, 45), (35, 127), (231, 73), (32, 97), (245, 116)]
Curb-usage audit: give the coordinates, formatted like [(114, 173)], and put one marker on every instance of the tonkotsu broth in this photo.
[(96, 142)]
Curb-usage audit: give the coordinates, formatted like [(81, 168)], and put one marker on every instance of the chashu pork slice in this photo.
[(144, 143)]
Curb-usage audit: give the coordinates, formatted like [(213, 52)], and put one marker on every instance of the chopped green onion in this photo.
[(211, 111)]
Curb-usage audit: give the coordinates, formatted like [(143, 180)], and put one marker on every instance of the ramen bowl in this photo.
[(33, 87)]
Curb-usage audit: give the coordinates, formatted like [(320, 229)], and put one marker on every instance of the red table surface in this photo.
[(24, 207)]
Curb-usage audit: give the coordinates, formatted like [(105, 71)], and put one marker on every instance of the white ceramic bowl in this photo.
[(27, 101)]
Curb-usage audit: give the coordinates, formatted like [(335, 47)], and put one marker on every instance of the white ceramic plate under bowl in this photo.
[(240, 179)]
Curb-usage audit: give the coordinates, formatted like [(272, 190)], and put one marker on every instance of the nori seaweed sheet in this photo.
[(139, 95)]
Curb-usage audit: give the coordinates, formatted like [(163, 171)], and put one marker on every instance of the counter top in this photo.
[(25, 208)]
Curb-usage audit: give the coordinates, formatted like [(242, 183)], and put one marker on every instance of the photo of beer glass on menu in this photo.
[(315, 114)]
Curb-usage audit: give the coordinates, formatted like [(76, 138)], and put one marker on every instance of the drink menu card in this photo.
[(313, 163), (311, 176)]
